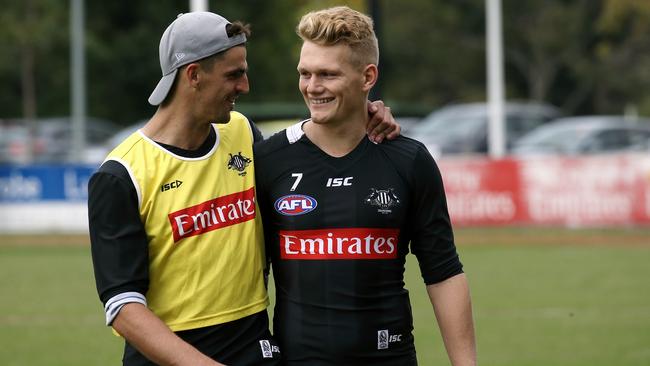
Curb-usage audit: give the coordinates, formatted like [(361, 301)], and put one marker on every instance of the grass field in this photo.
[(541, 297)]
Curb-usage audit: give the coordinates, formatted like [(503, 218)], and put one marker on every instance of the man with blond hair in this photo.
[(176, 237), (341, 214)]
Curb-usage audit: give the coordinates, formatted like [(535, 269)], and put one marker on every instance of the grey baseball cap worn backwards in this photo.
[(191, 37)]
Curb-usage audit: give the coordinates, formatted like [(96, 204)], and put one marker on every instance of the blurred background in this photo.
[(554, 230), (579, 57), (484, 80)]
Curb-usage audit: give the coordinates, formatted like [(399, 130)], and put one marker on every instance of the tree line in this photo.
[(583, 56)]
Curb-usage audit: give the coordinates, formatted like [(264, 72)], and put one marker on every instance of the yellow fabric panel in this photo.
[(206, 252)]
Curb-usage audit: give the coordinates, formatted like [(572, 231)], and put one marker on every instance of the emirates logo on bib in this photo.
[(347, 243), (213, 214)]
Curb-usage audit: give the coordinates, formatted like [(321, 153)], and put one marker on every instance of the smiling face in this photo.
[(334, 90), (221, 84)]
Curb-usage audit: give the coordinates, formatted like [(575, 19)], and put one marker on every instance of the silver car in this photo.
[(463, 128), (586, 135)]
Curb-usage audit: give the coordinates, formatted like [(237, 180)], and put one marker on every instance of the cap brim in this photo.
[(162, 89)]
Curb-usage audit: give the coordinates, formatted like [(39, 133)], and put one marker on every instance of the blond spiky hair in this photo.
[(342, 25)]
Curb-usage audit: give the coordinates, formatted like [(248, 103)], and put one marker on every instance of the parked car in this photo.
[(586, 135), (12, 144), (98, 152), (57, 134), (270, 127), (407, 123), (51, 139), (463, 128)]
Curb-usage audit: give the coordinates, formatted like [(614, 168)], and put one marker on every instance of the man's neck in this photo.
[(336, 140), (173, 127)]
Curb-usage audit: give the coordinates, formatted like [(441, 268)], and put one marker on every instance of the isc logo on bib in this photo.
[(295, 204)]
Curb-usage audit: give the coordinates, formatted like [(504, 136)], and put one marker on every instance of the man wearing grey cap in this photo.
[(175, 231)]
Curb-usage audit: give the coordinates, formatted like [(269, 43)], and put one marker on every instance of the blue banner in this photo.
[(33, 183)]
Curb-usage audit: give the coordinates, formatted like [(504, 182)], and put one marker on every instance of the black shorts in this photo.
[(245, 342)]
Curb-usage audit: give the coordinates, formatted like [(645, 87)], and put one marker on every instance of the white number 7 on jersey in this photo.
[(298, 177)]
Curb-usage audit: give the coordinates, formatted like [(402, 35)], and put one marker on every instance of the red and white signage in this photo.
[(604, 190), (213, 214), (347, 243), (571, 191), (480, 191)]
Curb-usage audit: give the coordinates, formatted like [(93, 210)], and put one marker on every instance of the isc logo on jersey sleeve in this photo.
[(346, 243), (295, 204)]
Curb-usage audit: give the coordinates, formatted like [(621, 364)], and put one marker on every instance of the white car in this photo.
[(586, 135), (463, 128)]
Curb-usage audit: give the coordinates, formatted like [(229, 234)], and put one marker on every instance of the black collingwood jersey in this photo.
[(338, 231)]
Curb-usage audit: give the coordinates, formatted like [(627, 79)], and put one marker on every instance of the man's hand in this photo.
[(381, 124), (149, 335)]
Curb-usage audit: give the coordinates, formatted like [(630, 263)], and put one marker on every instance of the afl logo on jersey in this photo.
[(295, 204)]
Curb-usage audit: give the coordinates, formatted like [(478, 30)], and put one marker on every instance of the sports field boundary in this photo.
[(505, 235)]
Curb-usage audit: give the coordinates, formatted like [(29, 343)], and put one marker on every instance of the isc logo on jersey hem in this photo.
[(346, 243), (384, 338), (268, 349), (295, 204), (213, 214)]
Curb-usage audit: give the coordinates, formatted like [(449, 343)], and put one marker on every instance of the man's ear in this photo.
[(191, 74), (370, 75)]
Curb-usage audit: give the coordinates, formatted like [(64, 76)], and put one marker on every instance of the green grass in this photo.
[(50, 313), (551, 305), (533, 304)]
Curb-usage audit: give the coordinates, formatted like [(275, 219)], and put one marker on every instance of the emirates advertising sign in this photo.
[(601, 190)]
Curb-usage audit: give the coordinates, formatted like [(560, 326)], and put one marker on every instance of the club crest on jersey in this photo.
[(295, 204), (238, 162), (384, 199)]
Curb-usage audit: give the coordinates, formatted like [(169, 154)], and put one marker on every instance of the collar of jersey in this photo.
[(206, 149), (295, 133)]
